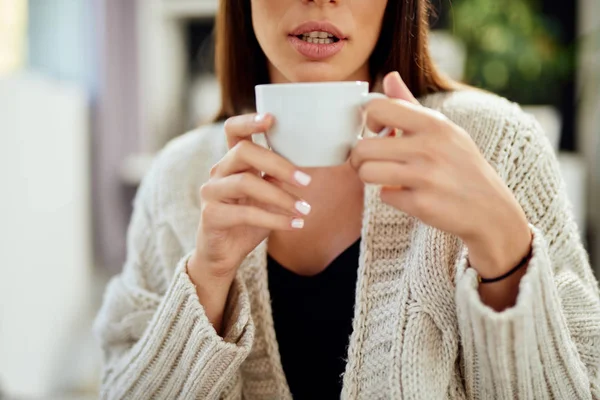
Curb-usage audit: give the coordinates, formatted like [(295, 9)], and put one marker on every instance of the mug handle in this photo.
[(371, 96)]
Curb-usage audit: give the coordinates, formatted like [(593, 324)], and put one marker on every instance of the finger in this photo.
[(227, 216), (247, 185), (404, 115), (249, 156), (400, 150), (388, 173), (394, 87), (276, 209), (277, 183), (411, 202), (271, 179), (379, 129), (274, 181), (382, 131), (242, 127), (374, 126)]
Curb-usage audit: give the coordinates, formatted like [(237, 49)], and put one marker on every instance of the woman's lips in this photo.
[(318, 26), (316, 51)]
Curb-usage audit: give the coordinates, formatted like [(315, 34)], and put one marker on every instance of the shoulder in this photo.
[(190, 155), (500, 128), (180, 168), (480, 112)]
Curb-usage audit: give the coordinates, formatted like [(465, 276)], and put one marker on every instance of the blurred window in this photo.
[(13, 31)]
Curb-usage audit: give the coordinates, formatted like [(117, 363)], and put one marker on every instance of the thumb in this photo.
[(394, 87)]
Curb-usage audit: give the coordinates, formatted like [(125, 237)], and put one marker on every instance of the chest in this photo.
[(312, 318), (404, 341)]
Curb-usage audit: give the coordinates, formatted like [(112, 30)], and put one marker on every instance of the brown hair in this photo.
[(402, 46)]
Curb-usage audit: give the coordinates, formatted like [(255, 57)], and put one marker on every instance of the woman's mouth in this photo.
[(317, 40), (318, 37), (316, 48)]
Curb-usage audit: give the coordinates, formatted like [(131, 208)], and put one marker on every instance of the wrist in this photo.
[(495, 252), (202, 269), (212, 287)]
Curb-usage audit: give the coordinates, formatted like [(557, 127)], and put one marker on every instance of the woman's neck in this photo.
[(336, 196)]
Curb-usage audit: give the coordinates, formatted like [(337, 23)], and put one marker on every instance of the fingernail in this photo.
[(260, 118), (297, 223), (303, 207), (302, 178), (385, 132)]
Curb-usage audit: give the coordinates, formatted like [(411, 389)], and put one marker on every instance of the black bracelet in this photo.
[(523, 262)]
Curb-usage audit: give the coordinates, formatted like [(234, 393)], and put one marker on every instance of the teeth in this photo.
[(318, 37), (317, 40)]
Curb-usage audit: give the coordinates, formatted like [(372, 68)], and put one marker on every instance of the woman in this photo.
[(443, 263)]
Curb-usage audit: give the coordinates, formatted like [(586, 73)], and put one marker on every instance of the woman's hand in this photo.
[(241, 205), (435, 172)]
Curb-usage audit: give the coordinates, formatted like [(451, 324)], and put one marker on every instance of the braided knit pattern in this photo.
[(420, 330)]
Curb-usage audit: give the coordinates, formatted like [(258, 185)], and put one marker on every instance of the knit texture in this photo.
[(420, 328)]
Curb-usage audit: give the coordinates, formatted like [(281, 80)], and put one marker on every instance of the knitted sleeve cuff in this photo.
[(181, 355), (525, 351), (237, 315)]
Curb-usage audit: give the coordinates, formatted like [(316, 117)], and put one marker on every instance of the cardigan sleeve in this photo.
[(548, 344), (157, 340)]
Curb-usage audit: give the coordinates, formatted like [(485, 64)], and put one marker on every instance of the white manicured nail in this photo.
[(303, 207), (297, 223), (302, 178), (385, 132)]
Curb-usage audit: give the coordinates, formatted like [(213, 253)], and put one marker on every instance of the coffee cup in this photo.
[(316, 124)]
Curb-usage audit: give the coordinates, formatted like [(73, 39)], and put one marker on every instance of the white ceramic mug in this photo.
[(316, 124)]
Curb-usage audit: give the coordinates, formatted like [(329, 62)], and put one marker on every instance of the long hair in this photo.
[(402, 46)]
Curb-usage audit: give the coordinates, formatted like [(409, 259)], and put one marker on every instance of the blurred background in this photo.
[(90, 90)]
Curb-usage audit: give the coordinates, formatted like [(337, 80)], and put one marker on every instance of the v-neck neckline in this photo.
[(286, 273), (255, 270)]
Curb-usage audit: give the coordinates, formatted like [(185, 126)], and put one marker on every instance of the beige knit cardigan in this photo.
[(420, 330)]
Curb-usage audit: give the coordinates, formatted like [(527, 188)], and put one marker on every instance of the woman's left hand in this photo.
[(436, 173)]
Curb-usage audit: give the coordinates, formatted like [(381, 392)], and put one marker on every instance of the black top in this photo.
[(313, 322)]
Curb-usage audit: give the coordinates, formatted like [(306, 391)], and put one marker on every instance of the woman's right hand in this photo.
[(243, 201)]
